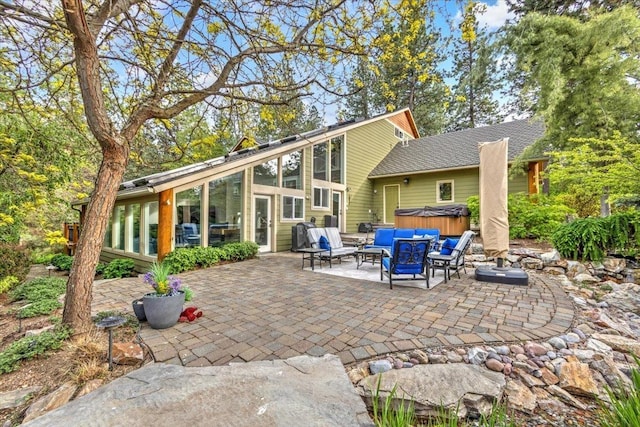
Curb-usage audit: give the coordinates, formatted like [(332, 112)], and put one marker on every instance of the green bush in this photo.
[(7, 283), (100, 268), (31, 346), (119, 268), (534, 217), (62, 261), (186, 259), (14, 261), (41, 257), (590, 239)]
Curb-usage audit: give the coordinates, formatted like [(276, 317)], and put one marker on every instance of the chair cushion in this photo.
[(384, 237), (324, 243), (333, 235), (404, 233), (448, 246)]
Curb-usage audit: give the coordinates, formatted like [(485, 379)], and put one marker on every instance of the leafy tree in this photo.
[(476, 74), (140, 61), (402, 69)]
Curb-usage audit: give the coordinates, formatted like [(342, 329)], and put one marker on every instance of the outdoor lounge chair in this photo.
[(453, 260), (328, 238), (407, 257)]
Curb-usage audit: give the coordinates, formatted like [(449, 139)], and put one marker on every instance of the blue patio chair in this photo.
[(407, 257)]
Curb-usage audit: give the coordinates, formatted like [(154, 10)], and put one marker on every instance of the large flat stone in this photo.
[(302, 390), (469, 389)]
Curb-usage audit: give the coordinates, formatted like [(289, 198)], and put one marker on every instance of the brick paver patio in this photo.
[(268, 308)]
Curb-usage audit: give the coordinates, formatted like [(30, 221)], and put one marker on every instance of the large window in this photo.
[(320, 161), (225, 209), (266, 173), (292, 170), (133, 228), (444, 191), (337, 147), (292, 207), (320, 197), (150, 232), (118, 227)]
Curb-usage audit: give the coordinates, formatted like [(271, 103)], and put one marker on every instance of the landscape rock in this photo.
[(535, 349), (585, 278), (598, 346), (613, 376), (625, 296), (616, 342), (565, 397), (15, 398), (127, 353), (466, 385), (420, 356), (89, 387), (614, 265), (34, 332), (494, 365), (51, 401), (520, 397), (575, 377), (278, 392), (532, 263)]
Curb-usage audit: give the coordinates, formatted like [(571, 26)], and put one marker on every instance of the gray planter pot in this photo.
[(163, 311), (138, 309)]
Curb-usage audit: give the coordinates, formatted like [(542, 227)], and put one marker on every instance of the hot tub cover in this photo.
[(445, 210)]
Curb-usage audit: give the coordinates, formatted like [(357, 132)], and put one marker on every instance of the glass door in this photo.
[(337, 209), (262, 222)]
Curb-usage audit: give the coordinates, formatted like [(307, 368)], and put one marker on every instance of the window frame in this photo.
[(293, 205), (438, 193), (318, 206)]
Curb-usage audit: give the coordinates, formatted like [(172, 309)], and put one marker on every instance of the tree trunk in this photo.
[(77, 307)]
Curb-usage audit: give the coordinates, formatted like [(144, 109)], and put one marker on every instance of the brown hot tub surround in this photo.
[(451, 220)]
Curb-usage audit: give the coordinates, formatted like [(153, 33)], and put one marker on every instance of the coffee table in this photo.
[(363, 254)]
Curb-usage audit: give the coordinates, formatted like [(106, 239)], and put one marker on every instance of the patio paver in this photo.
[(268, 308)]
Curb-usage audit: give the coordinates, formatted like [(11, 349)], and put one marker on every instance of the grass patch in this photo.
[(386, 414), (31, 346)]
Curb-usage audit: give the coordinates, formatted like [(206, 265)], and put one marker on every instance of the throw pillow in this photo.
[(324, 243), (448, 246)]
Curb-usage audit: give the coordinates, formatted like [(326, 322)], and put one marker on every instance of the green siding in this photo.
[(366, 147), (421, 190)]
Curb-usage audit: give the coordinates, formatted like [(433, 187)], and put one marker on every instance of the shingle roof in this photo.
[(456, 149)]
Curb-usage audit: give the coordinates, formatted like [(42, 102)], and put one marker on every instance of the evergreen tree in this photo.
[(476, 75)]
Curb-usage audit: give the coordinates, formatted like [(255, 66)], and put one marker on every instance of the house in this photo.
[(444, 169), (256, 193), (343, 175)]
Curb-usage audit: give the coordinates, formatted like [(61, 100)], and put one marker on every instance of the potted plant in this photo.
[(162, 308)]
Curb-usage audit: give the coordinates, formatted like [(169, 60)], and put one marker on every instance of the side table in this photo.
[(310, 254)]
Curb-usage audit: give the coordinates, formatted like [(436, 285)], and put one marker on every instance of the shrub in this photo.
[(7, 283), (100, 268), (62, 261), (590, 239), (186, 259), (31, 346), (118, 268), (534, 216), (14, 261)]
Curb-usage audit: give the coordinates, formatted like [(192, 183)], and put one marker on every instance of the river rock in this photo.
[(535, 349), (477, 355), (494, 365), (379, 366)]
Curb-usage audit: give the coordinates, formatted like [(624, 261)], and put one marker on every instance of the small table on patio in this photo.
[(362, 254), (311, 256)]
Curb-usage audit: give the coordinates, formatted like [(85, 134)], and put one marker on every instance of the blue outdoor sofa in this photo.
[(384, 237)]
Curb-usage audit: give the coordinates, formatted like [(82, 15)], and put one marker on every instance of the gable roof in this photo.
[(456, 150), (244, 157)]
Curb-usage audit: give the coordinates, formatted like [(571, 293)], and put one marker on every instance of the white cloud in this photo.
[(495, 15)]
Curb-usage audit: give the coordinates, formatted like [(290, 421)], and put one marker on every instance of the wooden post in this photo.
[(165, 223)]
